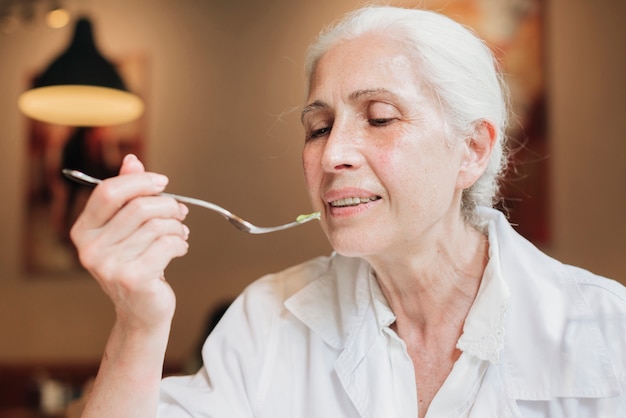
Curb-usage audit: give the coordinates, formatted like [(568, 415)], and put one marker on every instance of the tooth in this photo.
[(353, 201)]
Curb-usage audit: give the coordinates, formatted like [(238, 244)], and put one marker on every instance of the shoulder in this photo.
[(281, 285), (528, 267), (265, 298), (603, 295), (284, 284), (321, 296), (587, 279), (258, 316)]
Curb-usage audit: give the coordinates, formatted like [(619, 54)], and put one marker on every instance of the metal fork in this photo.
[(236, 221)]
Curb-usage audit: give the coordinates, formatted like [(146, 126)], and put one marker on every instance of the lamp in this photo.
[(81, 87), (57, 16)]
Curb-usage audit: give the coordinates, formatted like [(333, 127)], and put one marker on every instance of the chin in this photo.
[(353, 245)]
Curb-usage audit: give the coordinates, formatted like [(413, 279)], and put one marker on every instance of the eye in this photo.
[(380, 121), (317, 127), (381, 114), (318, 133)]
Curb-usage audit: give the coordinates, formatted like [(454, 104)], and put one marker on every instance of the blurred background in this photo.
[(222, 82)]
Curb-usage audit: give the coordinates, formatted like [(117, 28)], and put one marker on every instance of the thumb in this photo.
[(131, 164)]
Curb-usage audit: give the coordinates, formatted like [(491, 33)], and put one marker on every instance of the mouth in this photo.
[(352, 201)]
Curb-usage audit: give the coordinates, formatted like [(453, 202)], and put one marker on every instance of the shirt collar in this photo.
[(384, 315), (483, 331), (333, 305), (543, 356)]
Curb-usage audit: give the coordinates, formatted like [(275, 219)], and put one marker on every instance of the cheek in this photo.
[(311, 167), (391, 163)]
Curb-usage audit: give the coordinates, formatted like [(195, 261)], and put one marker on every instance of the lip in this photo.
[(346, 193)]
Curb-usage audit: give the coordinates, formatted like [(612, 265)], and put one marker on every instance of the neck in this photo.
[(428, 288)]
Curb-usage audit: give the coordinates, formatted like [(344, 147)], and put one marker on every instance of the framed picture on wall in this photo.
[(54, 202)]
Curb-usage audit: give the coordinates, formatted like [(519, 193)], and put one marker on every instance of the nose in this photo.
[(341, 149)]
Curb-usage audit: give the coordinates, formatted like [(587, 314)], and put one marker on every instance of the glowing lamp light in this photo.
[(80, 105), (81, 88), (57, 18)]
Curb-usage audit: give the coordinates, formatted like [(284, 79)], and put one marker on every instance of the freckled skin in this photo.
[(407, 161), (374, 129)]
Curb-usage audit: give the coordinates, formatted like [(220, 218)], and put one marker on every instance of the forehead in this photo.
[(370, 62), (370, 69)]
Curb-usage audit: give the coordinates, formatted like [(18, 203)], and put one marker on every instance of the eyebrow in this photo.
[(318, 104), (354, 96), (368, 93)]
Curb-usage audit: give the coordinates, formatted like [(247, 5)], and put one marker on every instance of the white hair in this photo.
[(457, 65)]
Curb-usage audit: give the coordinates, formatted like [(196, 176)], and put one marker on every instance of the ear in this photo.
[(478, 149)]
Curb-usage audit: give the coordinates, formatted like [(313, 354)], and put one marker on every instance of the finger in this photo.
[(136, 244), (114, 193), (162, 251), (139, 211), (129, 234), (131, 164), (136, 263)]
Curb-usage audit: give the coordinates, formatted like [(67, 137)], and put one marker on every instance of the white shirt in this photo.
[(541, 340), (480, 344)]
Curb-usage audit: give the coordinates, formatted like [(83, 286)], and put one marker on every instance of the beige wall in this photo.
[(587, 62), (222, 84)]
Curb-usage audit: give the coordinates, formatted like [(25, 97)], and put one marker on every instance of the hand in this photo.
[(126, 237)]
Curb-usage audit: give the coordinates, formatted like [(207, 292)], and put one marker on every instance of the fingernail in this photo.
[(186, 231), (159, 180), (130, 157), (184, 209)]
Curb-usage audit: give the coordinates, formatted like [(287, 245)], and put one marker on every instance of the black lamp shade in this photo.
[(81, 63), (81, 87)]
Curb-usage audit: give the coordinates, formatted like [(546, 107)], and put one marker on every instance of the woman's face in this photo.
[(376, 162)]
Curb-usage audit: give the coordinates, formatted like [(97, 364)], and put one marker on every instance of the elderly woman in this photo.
[(431, 305)]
